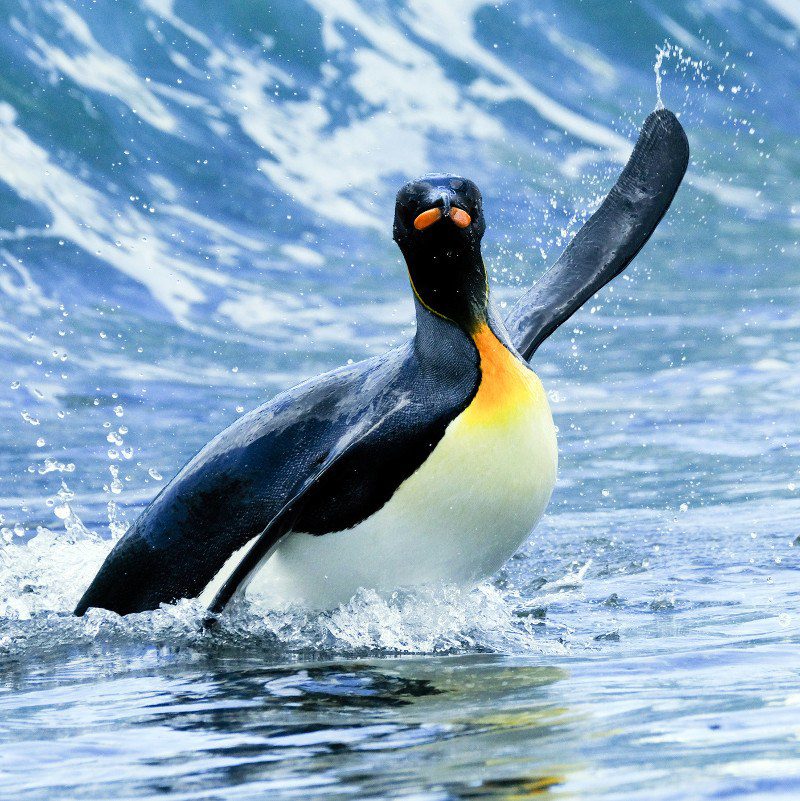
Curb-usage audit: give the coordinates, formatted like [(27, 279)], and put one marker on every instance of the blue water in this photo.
[(196, 203)]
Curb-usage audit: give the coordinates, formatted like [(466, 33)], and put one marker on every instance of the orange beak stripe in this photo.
[(460, 217), (427, 218)]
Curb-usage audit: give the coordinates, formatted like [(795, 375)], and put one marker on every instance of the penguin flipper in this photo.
[(610, 238), (280, 525), (319, 457)]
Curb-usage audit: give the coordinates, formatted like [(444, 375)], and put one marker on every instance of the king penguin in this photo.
[(429, 464)]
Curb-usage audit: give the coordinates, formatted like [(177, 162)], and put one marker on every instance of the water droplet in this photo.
[(116, 485)]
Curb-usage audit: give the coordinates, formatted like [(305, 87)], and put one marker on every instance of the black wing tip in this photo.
[(658, 161), (663, 126), (85, 604)]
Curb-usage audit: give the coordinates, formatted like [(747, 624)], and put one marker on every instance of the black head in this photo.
[(438, 224)]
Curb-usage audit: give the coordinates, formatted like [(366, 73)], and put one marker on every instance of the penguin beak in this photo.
[(446, 200), (460, 217), (429, 217)]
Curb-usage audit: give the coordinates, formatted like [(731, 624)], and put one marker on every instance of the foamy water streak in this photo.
[(42, 579), (295, 140)]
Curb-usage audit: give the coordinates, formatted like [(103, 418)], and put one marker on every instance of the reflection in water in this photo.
[(228, 723), (470, 727), (207, 718)]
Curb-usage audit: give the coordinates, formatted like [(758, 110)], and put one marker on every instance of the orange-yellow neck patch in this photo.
[(508, 388)]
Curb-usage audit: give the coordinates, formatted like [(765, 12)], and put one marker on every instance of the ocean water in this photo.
[(196, 213)]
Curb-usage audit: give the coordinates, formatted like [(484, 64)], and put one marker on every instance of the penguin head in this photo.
[(438, 225), (436, 208)]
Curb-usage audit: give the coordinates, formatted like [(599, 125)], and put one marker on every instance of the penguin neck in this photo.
[(449, 281)]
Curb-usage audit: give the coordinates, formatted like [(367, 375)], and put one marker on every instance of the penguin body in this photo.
[(457, 519), (428, 464)]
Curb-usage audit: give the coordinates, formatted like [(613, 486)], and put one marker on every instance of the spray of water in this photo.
[(684, 65)]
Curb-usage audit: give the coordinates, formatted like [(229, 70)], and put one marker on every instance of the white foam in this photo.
[(81, 214), (23, 289), (41, 581), (585, 56), (303, 255), (740, 197), (681, 34), (166, 10), (788, 9), (47, 573), (334, 167), (124, 237), (429, 20)]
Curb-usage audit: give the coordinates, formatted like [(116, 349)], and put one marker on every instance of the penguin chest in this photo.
[(457, 519)]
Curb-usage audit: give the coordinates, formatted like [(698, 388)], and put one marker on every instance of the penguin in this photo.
[(428, 464)]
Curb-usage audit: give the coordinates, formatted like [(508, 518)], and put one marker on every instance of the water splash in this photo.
[(40, 582), (660, 53), (685, 65), (42, 578)]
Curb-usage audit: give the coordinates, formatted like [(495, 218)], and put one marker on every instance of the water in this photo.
[(196, 211)]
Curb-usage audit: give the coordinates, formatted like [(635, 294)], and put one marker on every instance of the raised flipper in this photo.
[(611, 237)]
